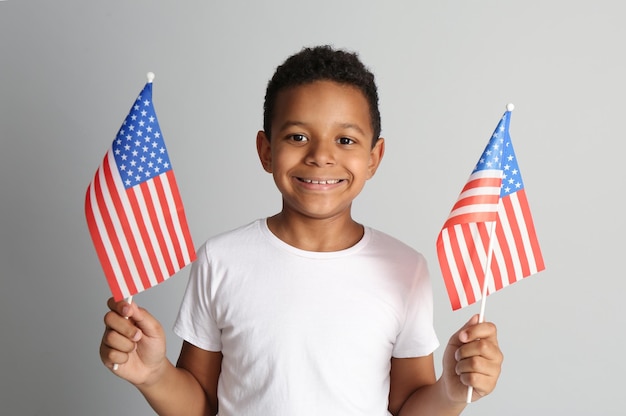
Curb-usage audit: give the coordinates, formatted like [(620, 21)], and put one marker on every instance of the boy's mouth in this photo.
[(320, 182)]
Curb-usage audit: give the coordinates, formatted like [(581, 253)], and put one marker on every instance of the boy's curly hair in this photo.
[(322, 63)]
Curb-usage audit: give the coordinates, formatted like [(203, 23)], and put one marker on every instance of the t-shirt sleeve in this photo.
[(417, 337), (195, 322)]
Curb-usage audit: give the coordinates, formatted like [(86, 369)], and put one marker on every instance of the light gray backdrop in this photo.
[(69, 71)]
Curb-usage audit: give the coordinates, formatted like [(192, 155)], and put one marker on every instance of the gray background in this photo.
[(446, 69)]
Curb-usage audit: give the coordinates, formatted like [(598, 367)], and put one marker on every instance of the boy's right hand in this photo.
[(133, 344)]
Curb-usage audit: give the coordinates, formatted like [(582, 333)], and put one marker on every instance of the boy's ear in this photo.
[(264, 150), (376, 156)]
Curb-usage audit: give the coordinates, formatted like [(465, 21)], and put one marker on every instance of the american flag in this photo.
[(493, 192), (133, 207)]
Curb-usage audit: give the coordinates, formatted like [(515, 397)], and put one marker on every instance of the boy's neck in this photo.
[(312, 234)]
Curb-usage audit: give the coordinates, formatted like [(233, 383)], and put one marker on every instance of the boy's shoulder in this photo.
[(392, 245), (233, 235)]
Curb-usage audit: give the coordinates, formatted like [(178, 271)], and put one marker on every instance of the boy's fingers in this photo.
[(126, 318), (118, 324), (117, 341), (146, 323), (122, 307), (474, 331)]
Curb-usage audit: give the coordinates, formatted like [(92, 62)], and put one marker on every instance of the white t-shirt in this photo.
[(306, 333)]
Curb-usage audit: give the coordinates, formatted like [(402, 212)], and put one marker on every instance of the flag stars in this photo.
[(142, 155)]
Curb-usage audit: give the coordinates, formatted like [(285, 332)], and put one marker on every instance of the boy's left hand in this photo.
[(472, 358)]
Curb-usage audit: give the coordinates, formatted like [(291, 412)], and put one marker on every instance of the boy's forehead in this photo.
[(313, 94)]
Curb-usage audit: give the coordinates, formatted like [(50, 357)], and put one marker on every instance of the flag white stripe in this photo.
[(480, 190), (474, 208), (519, 214), (498, 257), (143, 208), (104, 236), (176, 220), (508, 233), (162, 224), (454, 272), (117, 225), (485, 173)]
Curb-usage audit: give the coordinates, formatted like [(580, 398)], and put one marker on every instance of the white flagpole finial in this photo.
[(150, 76), (510, 107)]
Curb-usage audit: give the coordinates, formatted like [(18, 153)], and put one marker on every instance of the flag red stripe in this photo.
[(484, 199), (146, 241), (110, 230), (168, 219), (496, 275), (517, 236), (482, 182), (470, 217), (444, 264), (154, 222), (474, 251), (99, 246), (460, 264), (530, 228), (455, 302), (181, 216), (134, 255), (502, 244)]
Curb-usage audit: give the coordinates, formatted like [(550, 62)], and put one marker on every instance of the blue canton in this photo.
[(139, 149), (499, 154)]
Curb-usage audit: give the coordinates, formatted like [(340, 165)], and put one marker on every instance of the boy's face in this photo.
[(320, 152)]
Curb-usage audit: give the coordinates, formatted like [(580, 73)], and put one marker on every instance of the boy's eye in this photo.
[(298, 137), (345, 140)]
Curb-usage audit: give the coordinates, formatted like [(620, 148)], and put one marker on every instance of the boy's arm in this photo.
[(133, 346), (205, 366), (472, 357), (414, 389)]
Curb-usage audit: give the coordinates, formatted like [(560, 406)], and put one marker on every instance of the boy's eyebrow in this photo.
[(295, 123)]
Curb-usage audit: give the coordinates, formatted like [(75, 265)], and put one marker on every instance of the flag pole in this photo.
[(483, 301)]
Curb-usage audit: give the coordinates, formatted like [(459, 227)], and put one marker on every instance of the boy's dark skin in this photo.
[(321, 145)]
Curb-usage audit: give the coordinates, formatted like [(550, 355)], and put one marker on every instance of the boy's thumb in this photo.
[(148, 325)]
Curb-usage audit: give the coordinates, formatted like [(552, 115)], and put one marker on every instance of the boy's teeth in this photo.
[(328, 182)]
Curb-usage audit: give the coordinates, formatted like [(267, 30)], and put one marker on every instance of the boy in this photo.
[(307, 312)]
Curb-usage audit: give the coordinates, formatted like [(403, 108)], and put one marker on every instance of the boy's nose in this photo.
[(320, 154)]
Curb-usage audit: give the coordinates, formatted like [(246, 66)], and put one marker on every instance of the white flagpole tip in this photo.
[(510, 107), (150, 76)]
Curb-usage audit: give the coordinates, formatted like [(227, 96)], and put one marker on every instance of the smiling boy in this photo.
[(307, 312)]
